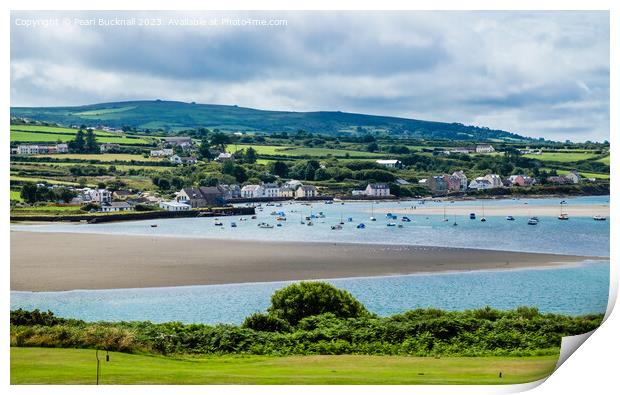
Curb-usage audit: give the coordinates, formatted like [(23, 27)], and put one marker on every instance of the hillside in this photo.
[(173, 116)]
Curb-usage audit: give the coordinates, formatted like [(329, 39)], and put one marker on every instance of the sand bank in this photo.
[(66, 261), (517, 209)]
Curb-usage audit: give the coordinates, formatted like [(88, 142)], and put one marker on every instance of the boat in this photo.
[(350, 219), (563, 216), (391, 224), (510, 218), (472, 215), (454, 224), (341, 221), (309, 223), (329, 202), (269, 204), (483, 219), (154, 226), (372, 212), (532, 221), (444, 215), (399, 225), (280, 218), (405, 219), (264, 225), (336, 227), (254, 217), (278, 224), (361, 226), (219, 224), (599, 218), (233, 225)]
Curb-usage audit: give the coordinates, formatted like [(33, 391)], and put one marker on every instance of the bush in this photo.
[(266, 323), (306, 299)]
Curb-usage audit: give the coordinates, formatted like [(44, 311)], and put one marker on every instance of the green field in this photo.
[(16, 195), (36, 137), (103, 157), (45, 210), (583, 174), (604, 160), (561, 156), (56, 130), (73, 366), (276, 150), (42, 180)]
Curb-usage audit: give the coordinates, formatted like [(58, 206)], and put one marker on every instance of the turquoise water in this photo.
[(578, 236), (574, 290)]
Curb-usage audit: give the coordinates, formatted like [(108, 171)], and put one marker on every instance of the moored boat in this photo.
[(510, 218), (599, 218)]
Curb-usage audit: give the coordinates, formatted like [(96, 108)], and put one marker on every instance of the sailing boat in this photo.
[(341, 221), (444, 215), (483, 219), (454, 224), (563, 216), (372, 212)]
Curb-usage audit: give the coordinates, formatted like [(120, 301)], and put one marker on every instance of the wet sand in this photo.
[(516, 210), (67, 261)]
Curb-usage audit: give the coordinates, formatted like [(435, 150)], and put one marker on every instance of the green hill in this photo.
[(157, 115)]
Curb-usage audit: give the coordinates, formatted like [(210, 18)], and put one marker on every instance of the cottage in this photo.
[(377, 190), (182, 141), (391, 163), (108, 147), (224, 156), (574, 177), (116, 206), (122, 194), (306, 191), (183, 160), (162, 152), (252, 191), (480, 183), (293, 184), (437, 184), (495, 180), (271, 190), (201, 196), (287, 192), (462, 178), (520, 180), (173, 205), (484, 149), (100, 196), (231, 191)]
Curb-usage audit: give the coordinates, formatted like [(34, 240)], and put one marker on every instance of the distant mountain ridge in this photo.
[(159, 115)]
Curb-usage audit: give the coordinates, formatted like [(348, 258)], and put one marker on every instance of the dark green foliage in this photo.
[(34, 317), (266, 323), (32, 193), (306, 299)]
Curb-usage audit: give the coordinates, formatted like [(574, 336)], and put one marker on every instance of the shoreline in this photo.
[(516, 210), (72, 261)]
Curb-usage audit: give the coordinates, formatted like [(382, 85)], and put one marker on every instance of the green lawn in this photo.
[(42, 180), (561, 156), (72, 366)]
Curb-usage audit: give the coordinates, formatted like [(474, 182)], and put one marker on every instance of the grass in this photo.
[(103, 157), (581, 173), (16, 195), (76, 366), (564, 157), (37, 137), (277, 150), (56, 130), (52, 210), (43, 180), (604, 160)]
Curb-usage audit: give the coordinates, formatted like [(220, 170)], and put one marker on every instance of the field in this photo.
[(276, 150), (42, 180), (602, 176), (103, 157), (564, 157), (16, 195), (74, 366), (604, 160), (52, 134)]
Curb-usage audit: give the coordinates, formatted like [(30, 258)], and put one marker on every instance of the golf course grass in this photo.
[(78, 366)]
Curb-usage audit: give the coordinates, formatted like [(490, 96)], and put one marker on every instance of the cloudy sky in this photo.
[(538, 74)]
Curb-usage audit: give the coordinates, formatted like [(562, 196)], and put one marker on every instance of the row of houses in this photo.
[(458, 182), (375, 190), (474, 149), (572, 177), (290, 189), (455, 182), (36, 149)]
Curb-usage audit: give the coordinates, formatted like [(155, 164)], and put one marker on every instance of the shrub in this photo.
[(306, 299), (266, 323)]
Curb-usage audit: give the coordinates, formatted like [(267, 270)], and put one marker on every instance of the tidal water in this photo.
[(577, 289)]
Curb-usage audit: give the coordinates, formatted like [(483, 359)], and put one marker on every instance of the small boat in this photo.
[(154, 226), (372, 212), (329, 202), (350, 219), (399, 226), (599, 218), (405, 219), (265, 226), (472, 215), (278, 224), (336, 227), (563, 216), (233, 225), (361, 226), (280, 218), (242, 219), (373, 219), (532, 221), (391, 224), (444, 215), (309, 223), (254, 217), (269, 204), (483, 219), (219, 224), (510, 218)]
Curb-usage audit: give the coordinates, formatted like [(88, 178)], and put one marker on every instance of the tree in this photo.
[(279, 168), (372, 147), (204, 151), (306, 299), (219, 140), (90, 144), (78, 143), (250, 155), (240, 174), (29, 192)]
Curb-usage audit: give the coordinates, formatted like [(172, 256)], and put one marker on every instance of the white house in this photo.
[(252, 191), (183, 142), (183, 160), (223, 156), (358, 192), (162, 152), (173, 205), (484, 149), (495, 180), (480, 183), (271, 190), (377, 190), (106, 147), (293, 184), (573, 176), (393, 163), (116, 206), (100, 196)]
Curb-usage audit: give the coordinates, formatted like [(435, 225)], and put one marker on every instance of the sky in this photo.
[(539, 74)]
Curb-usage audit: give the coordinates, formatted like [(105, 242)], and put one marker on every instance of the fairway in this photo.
[(72, 366)]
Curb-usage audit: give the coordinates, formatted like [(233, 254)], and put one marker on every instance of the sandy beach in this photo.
[(67, 261), (517, 209)]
